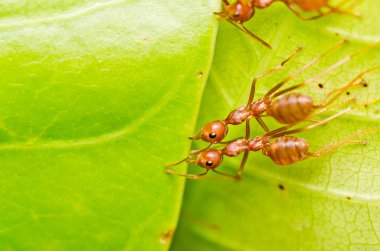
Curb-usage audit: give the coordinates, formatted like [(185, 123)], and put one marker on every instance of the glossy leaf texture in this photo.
[(329, 203), (90, 92)]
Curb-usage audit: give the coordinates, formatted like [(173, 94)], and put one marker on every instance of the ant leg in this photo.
[(200, 176), (310, 126), (278, 130), (333, 146), (262, 124), (188, 159), (309, 119), (189, 176), (247, 130), (305, 67), (321, 74), (350, 85), (246, 152), (324, 108), (282, 65), (252, 92), (201, 150), (332, 9), (322, 103), (245, 30), (276, 68), (256, 37), (230, 176), (295, 11), (242, 164), (346, 11)]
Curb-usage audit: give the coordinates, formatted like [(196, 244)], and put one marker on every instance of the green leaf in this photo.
[(90, 97), (329, 203)]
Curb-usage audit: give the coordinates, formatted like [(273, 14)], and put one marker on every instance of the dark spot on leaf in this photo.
[(167, 236), (348, 198), (281, 187), (348, 93), (200, 74), (320, 85), (364, 83)]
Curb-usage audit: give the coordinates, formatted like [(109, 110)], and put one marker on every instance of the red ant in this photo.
[(243, 10), (276, 144), (288, 109)]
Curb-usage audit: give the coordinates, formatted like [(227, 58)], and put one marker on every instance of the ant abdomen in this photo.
[(291, 108), (286, 150)]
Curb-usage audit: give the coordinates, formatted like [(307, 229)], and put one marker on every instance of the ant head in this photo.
[(209, 159), (213, 132), (240, 11)]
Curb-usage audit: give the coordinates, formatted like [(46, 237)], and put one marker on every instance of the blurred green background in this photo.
[(97, 96)]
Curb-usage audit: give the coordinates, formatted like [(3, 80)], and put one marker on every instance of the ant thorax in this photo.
[(258, 107), (258, 143), (235, 147), (238, 116)]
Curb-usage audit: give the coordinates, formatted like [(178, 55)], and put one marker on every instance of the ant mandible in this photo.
[(241, 11)]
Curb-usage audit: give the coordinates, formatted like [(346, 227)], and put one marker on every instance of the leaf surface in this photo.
[(90, 93)]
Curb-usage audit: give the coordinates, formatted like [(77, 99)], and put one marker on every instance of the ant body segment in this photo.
[(242, 11), (291, 108)]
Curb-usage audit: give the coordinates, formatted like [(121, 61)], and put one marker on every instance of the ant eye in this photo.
[(212, 135), (209, 163)]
